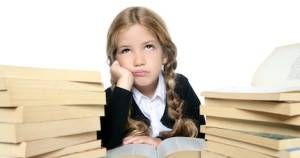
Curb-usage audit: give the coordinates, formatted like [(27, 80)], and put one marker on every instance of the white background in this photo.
[(220, 43)]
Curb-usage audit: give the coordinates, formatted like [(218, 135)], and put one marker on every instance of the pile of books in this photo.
[(49, 113), (255, 123)]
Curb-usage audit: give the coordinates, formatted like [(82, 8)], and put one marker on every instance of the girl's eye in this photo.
[(149, 47), (124, 51)]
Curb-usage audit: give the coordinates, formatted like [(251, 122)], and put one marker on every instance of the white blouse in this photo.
[(153, 108)]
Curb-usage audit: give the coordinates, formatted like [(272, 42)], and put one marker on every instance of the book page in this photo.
[(176, 144), (133, 150), (280, 69)]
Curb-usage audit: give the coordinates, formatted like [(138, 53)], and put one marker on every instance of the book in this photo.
[(276, 79), (209, 154), (273, 107), (34, 97), (37, 147), (233, 113), (171, 148), (233, 151), (243, 145), (280, 69), (95, 153), (7, 83), (50, 74), (290, 153), (251, 93), (268, 140), (20, 132), (27, 114), (252, 126), (94, 144)]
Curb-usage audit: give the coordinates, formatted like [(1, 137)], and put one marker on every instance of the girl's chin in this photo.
[(143, 83)]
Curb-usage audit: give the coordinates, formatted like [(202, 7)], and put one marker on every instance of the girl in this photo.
[(147, 102)]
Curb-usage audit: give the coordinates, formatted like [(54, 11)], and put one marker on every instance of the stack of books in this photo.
[(50, 112), (254, 123), (262, 121)]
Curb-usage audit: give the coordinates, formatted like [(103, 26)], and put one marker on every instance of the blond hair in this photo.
[(153, 22)]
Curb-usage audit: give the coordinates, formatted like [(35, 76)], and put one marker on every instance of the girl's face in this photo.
[(139, 51)]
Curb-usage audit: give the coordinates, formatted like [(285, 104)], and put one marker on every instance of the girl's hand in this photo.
[(121, 76), (141, 140)]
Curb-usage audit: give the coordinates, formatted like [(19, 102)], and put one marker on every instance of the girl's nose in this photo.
[(139, 59)]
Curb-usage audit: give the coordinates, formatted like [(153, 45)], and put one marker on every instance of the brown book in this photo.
[(239, 144), (50, 74), (233, 151), (273, 107), (208, 154), (290, 153), (233, 113), (20, 132), (7, 83), (72, 149), (268, 140), (32, 148), (37, 97), (255, 94), (27, 114), (252, 126), (95, 153)]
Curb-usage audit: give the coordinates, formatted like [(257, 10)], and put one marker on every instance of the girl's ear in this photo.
[(164, 60)]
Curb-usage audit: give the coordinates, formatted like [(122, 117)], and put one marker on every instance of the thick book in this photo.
[(251, 93), (273, 107), (209, 154), (239, 145), (27, 114), (95, 153), (95, 144), (169, 148), (291, 153), (20, 132), (233, 113), (244, 145), (233, 151), (252, 126), (7, 83), (37, 147), (50, 74), (268, 140), (37, 97)]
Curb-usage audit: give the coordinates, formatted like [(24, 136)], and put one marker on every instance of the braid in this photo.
[(182, 126), (137, 128)]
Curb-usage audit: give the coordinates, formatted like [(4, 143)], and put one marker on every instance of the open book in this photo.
[(280, 69), (173, 147), (276, 79)]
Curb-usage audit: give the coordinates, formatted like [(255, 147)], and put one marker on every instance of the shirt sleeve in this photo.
[(114, 122)]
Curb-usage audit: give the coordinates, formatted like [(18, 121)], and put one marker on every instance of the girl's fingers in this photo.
[(133, 139)]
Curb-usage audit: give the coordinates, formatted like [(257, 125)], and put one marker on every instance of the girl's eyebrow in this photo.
[(150, 41), (122, 46)]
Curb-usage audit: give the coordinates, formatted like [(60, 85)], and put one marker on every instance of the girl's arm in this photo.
[(114, 122)]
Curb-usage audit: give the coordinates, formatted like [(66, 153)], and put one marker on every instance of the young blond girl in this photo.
[(148, 101)]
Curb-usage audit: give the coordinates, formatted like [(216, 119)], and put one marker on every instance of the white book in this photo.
[(280, 69), (276, 79), (171, 147)]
